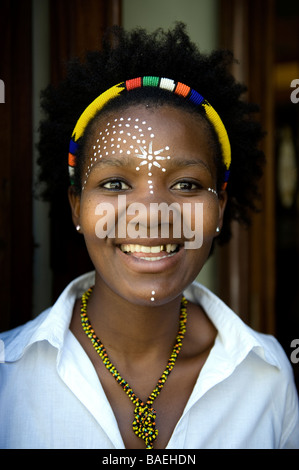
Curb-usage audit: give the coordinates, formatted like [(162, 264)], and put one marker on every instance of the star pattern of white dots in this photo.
[(133, 132)]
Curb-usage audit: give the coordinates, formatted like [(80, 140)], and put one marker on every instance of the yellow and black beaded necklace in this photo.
[(144, 425)]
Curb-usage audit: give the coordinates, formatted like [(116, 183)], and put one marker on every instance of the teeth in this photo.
[(169, 247)]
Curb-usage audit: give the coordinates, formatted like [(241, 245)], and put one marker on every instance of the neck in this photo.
[(132, 328)]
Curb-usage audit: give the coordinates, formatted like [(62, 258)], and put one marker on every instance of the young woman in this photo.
[(162, 157)]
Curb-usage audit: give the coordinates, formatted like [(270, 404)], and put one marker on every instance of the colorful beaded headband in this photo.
[(177, 88)]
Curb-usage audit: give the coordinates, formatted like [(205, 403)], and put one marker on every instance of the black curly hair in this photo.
[(168, 54)]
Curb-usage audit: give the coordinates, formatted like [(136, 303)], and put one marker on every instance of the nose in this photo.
[(154, 216)]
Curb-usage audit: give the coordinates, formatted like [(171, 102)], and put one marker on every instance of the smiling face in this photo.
[(148, 156)]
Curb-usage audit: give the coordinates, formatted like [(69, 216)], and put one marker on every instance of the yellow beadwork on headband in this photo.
[(94, 108), (166, 84)]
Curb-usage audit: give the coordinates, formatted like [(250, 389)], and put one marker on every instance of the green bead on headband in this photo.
[(177, 88)]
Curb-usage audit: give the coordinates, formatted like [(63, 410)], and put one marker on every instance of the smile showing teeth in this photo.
[(169, 248)]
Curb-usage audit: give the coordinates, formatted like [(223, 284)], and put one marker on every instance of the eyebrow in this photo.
[(128, 161), (121, 161), (177, 161)]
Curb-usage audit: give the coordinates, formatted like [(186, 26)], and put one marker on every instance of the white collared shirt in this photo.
[(51, 397)]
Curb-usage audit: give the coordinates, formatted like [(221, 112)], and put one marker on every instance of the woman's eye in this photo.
[(116, 185), (186, 186)]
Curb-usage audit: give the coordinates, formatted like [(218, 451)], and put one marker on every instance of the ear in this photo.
[(75, 203), (222, 205)]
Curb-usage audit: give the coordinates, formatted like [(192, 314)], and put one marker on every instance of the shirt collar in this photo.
[(52, 325), (237, 338)]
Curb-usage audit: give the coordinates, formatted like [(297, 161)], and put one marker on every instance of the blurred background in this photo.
[(257, 273)]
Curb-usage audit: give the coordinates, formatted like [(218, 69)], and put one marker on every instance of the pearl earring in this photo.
[(78, 227), (218, 230)]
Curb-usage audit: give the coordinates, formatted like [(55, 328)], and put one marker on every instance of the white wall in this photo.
[(200, 16)]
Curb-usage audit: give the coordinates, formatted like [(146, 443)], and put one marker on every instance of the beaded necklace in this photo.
[(144, 425)]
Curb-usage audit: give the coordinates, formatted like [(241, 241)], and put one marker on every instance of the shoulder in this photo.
[(237, 339), (15, 341), (49, 326)]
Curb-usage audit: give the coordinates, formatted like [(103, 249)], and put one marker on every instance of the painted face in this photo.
[(148, 156), (129, 136)]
